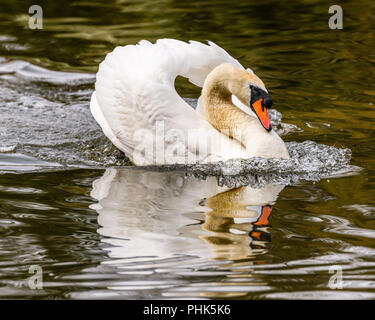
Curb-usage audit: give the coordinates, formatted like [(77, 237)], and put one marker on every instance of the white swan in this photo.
[(139, 110)]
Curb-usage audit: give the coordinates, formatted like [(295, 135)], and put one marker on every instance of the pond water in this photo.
[(99, 228)]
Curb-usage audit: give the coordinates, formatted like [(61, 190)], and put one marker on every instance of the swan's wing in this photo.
[(134, 91), (199, 59)]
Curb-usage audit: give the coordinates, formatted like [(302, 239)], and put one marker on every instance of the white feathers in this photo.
[(134, 91), (139, 110)]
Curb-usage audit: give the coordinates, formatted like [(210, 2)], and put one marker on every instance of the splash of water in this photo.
[(308, 161)]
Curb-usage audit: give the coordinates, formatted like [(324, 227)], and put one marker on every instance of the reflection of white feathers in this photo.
[(147, 213)]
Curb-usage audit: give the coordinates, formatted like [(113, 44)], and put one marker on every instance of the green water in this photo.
[(139, 236)]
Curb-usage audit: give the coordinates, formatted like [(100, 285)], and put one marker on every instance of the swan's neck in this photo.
[(219, 86), (222, 114)]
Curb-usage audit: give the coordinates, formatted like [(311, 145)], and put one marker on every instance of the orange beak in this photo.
[(262, 114)]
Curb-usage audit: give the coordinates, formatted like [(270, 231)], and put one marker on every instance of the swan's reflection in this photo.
[(160, 214)]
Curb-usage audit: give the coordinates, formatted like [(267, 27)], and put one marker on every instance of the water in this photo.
[(243, 229)]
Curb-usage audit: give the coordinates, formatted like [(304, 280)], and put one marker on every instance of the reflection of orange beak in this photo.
[(263, 219), (262, 114)]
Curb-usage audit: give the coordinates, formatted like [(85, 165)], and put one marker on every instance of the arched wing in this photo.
[(134, 92)]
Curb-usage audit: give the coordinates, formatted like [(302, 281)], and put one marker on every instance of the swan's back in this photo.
[(135, 98)]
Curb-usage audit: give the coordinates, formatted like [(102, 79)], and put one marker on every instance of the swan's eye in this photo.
[(258, 93), (267, 101)]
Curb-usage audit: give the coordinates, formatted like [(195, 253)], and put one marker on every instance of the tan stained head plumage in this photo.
[(227, 80)]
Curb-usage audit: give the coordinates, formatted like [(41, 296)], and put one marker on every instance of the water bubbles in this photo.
[(8, 148), (308, 161)]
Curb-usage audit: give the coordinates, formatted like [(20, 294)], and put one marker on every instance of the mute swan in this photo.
[(139, 110)]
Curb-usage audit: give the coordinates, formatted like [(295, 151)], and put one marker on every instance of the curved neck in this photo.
[(221, 113)]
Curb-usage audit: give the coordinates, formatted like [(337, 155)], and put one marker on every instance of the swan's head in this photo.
[(246, 86), (260, 101)]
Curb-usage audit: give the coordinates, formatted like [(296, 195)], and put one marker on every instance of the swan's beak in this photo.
[(261, 111)]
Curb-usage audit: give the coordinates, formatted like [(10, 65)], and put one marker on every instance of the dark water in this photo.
[(98, 230)]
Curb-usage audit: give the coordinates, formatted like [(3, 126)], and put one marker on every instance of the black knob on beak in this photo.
[(267, 101)]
